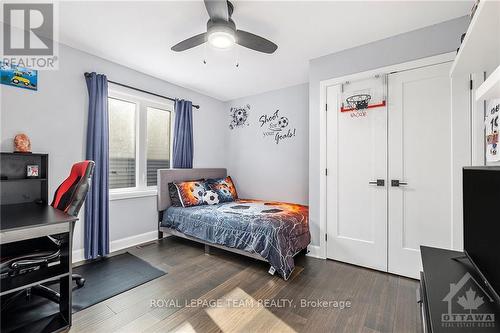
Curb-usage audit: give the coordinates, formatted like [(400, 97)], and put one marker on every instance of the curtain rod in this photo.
[(144, 91)]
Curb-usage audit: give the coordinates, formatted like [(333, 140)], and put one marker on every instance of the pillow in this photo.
[(224, 187), (174, 195), (191, 193), (211, 198)]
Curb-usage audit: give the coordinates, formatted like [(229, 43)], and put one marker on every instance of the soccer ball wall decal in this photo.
[(239, 116), (283, 122)]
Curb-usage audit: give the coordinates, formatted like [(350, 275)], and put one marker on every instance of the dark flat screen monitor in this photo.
[(481, 194)]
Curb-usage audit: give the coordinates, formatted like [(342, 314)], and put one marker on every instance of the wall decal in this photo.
[(277, 126), (12, 75), (239, 116), (491, 124)]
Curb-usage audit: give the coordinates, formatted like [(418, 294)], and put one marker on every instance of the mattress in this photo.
[(275, 230)]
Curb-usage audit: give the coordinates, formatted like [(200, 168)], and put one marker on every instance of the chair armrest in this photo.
[(35, 261)]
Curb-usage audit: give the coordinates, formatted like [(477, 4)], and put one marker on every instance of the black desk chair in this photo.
[(71, 194), (36, 254)]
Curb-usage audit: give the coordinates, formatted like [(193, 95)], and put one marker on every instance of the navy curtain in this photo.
[(183, 135), (96, 207)]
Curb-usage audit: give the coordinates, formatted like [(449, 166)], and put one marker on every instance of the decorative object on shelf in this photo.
[(22, 143), (239, 116), (491, 126), (277, 126), (12, 75), (32, 171)]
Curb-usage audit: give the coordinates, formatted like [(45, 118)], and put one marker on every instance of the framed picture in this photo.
[(491, 131), (19, 77), (32, 171)]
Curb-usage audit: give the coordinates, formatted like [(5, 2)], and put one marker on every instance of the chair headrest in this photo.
[(72, 192)]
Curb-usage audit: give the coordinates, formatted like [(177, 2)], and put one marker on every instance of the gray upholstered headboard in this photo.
[(166, 176)]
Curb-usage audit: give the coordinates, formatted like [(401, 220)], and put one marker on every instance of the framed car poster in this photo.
[(12, 75)]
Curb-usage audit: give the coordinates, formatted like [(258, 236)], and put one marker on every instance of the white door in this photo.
[(356, 156), (420, 159)]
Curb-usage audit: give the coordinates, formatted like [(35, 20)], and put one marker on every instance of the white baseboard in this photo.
[(78, 255), (315, 252), (120, 244), (123, 243)]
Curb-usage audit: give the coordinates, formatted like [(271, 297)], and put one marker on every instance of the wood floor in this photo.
[(225, 292)]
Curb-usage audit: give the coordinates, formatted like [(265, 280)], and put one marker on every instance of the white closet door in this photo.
[(356, 209), (420, 159)]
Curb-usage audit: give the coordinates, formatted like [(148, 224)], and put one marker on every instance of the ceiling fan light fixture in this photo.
[(221, 40), (221, 37), (222, 34)]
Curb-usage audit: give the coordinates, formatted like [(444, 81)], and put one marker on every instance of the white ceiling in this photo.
[(139, 35)]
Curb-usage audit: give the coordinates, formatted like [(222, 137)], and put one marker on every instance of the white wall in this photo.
[(261, 168), (433, 40), (55, 117)]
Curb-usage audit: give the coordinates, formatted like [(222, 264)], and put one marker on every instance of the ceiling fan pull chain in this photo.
[(237, 57), (205, 54)]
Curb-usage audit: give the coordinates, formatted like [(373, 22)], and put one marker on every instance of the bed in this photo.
[(265, 230)]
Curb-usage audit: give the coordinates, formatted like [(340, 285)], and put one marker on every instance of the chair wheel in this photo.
[(80, 282)]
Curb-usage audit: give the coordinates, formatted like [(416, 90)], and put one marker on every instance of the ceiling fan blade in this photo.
[(190, 42), (217, 10), (255, 42)]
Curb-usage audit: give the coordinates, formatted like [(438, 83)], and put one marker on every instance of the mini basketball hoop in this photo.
[(364, 94), (358, 102)]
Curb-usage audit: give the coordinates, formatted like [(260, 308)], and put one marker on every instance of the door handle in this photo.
[(397, 183), (378, 182)]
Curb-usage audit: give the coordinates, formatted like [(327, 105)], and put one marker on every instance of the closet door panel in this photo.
[(356, 157), (419, 141)]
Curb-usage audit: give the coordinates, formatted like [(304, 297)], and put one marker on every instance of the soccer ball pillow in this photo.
[(191, 193), (224, 187), (211, 198)]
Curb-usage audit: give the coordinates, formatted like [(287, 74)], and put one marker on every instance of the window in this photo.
[(122, 157), (139, 141), (158, 142)]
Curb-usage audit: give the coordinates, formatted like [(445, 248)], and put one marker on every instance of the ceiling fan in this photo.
[(222, 33)]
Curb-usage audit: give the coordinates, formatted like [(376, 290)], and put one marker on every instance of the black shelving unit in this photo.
[(26, 218), (15, 186)]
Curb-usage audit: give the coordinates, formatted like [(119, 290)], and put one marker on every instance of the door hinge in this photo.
[(326, 237), (471, 85), (326, 107), (326, 172)]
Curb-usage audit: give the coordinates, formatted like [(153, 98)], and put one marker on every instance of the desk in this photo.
[(441, 269), (27, 221)]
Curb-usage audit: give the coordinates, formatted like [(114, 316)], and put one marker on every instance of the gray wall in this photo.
[(433, 40), (261, 168), (55, 119)]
